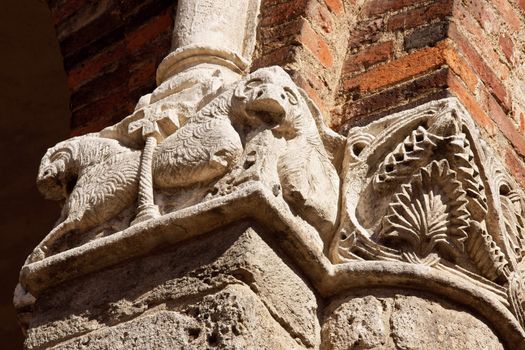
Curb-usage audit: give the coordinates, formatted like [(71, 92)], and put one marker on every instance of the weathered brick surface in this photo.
[(426, 35), (366, 58), (516, 166), (380, 7), (480, 44), (317, 45), (397, 71), (371, 107), (418, 16), (336, 6), (111, 50), (308, 39)]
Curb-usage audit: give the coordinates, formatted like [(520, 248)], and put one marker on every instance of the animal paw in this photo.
[(37, 255)]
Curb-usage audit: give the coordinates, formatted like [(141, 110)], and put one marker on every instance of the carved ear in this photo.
[(333, 142), (238, 92)]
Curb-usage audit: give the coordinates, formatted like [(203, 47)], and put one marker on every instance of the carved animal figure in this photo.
[(268, 100), (97, 177), (205, 148)]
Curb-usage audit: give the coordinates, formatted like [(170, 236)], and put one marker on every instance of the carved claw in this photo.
[(37, 255)]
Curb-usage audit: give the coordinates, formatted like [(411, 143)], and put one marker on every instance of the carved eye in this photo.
[(250, 84), (291, 96)]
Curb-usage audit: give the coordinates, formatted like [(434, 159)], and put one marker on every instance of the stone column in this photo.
[(205, 31)]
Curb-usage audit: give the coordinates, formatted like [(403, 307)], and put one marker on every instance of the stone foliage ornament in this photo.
[(418, 188), (422, 187)]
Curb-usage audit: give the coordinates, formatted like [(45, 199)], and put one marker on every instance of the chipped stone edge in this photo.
[(252, 201), (299, 241)]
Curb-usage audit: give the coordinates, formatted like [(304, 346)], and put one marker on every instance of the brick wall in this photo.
[(358, 59), (308, 38), (403, 53), (111, 50)]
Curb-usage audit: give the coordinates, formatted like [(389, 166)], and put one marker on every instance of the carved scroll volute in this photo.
[(509, 211)]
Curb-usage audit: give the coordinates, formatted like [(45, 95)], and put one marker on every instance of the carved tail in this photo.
[(40, 252), (146, 206)]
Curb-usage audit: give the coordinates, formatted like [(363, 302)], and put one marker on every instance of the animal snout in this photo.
[(268, 104), (49, 185)]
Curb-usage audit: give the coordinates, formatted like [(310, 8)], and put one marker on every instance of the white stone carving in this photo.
[(96, 177), (413, 200), (417, 193), (262, 128), (429, 212)]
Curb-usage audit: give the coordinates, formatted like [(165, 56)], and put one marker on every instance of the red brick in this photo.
[(485, 72), (426, 35), (317, 45), (64, 9), (94, 66), (421, 15), (336, 6), (107, 29), (521, 3), (97, 89), (367, 108), (507, 46), (460, 67), (312, 87), (78, 16), (280, 57), (482, 42), (516, 166), (466, 20), (320, 15), (282, 13), (274, 38), (142, 75), (368, 57), (377, 7), (103, 113), (508, 14), (149, 31), (402, 69), (367, 32), (521, 121), (265, 4), (484, 15), (505, 124)]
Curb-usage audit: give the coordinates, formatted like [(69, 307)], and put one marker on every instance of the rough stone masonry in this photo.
[(223, 211)]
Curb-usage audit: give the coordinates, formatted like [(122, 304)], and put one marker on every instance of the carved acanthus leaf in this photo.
[(517, 295), (415, 151), (485, 253), (429, 213), (513, 210), (467, 172)]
